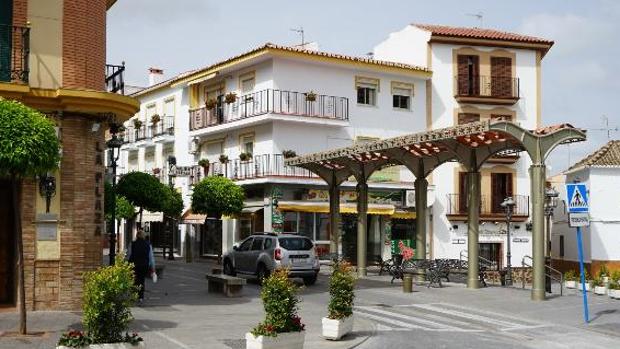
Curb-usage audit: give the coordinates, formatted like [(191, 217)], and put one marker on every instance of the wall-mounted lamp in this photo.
[(47, 189)]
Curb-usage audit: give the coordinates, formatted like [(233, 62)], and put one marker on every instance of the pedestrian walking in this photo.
[(141, 255)]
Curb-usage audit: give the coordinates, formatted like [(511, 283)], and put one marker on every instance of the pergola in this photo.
[(469, 144)]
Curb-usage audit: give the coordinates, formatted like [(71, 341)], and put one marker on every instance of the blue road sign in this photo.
[(577, 198)]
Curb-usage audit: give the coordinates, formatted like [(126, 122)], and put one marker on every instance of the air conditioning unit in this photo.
[(409, 198)]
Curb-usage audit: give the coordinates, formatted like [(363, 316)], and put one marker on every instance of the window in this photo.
[(289, 222), (401, 95), (466, 118), (468, 75), (150, 111), (257, 244), (501, 188), (367, 89), (268, 243), (246, 82), (306, 224), (247, 143), (295, 243), (245, 246), (322, 227), (169, 107)]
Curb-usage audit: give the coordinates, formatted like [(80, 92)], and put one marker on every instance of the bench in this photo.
[(230, 286)]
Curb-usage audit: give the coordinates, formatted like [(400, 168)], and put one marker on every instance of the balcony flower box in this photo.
[(335, 329), (140, 345), (288, 340)]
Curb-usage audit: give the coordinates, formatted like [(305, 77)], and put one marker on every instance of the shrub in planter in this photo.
[(230, 97), (245, 156), (614, 289), (570, 279), (599, 286), (282, 327), (310, 96), (223, 158), (137, 123), (204, 163), (289, 154), (155, 119), (210, 104), (339, 320), (588, 281)]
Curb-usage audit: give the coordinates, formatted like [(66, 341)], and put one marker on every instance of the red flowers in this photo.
[(406, 251)]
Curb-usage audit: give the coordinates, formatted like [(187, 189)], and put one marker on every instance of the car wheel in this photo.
[(309, 281), (261, 273), (228, 268)]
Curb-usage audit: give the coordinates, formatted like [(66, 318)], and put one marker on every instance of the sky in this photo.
[(580, 79)]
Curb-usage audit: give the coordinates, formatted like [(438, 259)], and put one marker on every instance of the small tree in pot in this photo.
[(614, 285), (570, 279), (230, 97), (137, 123), (155, 119), (339, 320), (289, 153), (282, 327), (245, 156), (310, 96), (223, 158), (204, 163), (210, 104)]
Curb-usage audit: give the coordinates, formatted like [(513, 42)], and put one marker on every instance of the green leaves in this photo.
[(341, 285), (216, 196), (142, 190), (28, 142)]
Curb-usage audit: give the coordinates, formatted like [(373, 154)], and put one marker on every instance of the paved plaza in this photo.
[(179, 313)]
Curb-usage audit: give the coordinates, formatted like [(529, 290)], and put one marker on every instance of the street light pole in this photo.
[(172, 166), (508, 205), (550, 204), (114, 145)]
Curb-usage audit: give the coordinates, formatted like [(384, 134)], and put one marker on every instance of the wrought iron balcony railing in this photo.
[(270, 101), (114, 79), (486, 86), (490, 205), (14, 52)]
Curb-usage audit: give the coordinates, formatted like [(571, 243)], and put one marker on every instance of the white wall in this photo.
[(408, 45)]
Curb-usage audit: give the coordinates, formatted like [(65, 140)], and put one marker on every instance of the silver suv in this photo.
[(260, 254)]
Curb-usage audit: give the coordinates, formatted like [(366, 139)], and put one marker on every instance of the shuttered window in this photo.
[(466, 118), (468, 78), (501, 77), (367, 89)]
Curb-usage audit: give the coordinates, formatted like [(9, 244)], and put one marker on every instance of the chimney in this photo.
[(156, 76)]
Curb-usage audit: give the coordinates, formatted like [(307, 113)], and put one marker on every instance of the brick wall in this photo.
[(20, 12), (84, 44)]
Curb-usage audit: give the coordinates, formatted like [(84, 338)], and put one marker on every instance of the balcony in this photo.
[(14, 52), (260, 166), (486, 89), (114, 79), (490, 208), (270, 101)]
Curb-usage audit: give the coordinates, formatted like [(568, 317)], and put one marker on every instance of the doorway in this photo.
[(7, 245), (491, 252)]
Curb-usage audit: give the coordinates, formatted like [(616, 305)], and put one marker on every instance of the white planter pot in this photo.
[(615, 294), (570, 284), (336, 329), (600, 290), (581, 288), (140, 345), (290, 340)]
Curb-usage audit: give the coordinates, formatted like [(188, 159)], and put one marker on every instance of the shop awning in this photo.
[(323, 207), (190, 217), (404, 215)]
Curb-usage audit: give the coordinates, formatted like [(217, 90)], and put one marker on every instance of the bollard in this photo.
[(407, 283)]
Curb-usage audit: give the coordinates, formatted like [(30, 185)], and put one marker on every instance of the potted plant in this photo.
[(570, 279), (614, 285), (210, 104), (587, 278), (230, 97), (603, 272), (156, 170), (223, 158), (310, 96), (339, 320), (599, 286), (109, 293), (204, 163), (282, 327), (289, 154), (245, 156), (155, 119), (137, 123)]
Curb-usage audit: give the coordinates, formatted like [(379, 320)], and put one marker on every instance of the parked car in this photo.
[(260, 254)]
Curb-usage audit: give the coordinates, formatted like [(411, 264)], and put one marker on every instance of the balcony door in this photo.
[(463, 187), (468, 75), (6, 36), (501, 187), (501, 77)]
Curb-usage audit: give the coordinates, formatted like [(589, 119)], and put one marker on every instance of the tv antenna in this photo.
[(300, 31), (479, 16), (606, 128)]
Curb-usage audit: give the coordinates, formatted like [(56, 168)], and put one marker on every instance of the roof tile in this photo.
[(479, 33), (606, 156)]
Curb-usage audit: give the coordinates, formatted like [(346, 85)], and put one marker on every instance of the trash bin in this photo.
[(502, 277), (407, 283)]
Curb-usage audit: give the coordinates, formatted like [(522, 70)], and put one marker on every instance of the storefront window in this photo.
[(245, 228), (306, 222), (290, 222), (322, 227)]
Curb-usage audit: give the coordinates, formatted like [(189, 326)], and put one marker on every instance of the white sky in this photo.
[(580, 73)]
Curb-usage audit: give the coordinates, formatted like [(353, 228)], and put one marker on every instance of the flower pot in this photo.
[(570, 284), (600, 290), (615, 294), (336, 329), (140, 345), (581, 288), (289, 340)]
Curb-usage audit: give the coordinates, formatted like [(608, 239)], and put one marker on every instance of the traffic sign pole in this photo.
[(583, 276)]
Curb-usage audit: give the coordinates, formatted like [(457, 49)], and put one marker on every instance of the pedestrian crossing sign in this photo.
[(577, 198)]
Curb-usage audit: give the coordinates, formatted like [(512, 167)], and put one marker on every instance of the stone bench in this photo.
[(231, 286)]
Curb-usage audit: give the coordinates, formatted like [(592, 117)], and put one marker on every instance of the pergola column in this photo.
[(334, 216), (473, 218), (362, 213), (420, 186), (537, 180)]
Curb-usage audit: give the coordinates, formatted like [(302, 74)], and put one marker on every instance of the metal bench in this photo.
[(230, 286)]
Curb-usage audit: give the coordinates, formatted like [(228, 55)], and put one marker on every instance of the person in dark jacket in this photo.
[(140, 256)]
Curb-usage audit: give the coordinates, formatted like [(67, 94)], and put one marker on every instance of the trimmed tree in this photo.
[(142, 190), (172, 204), (124, 208), (28, 147), (217, 196)]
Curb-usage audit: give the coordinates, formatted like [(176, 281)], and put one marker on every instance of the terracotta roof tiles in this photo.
[(606, 156), (479, 33)]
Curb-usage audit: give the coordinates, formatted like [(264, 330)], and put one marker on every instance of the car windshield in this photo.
[(295, 243)]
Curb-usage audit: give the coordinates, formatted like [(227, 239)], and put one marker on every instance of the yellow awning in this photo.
[(323, 207), (404, 215)]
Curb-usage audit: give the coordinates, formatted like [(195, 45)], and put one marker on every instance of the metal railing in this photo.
[(549, 271), (14, 52), (270, 101), (114, 80), (489, 206), (489, 264), (163, 127), (258, 166), (486, 86)]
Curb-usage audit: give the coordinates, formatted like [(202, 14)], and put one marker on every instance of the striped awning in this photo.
[(350, 208)]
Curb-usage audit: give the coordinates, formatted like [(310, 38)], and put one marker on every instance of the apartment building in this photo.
[(52, 58), (478, 74)]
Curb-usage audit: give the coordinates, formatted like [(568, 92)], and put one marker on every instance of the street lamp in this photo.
[(172, 172), (114, 147), (508, 205), (551, 202)]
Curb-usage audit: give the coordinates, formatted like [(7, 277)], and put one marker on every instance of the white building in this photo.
[(601, 242), (478, 74)]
